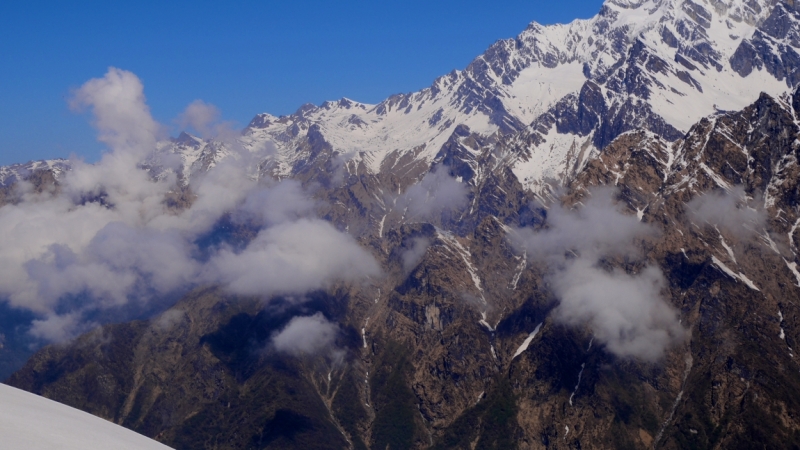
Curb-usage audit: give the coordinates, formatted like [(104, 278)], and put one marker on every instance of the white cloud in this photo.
[(596, 228), (281, 202), (306, 335), (200, 116), (292, 257), (436, 192), (169, 318), (412, 256), (121, 114), (59, 328), (626, 312)]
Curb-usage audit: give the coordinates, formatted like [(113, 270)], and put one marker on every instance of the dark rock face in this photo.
[(581, 115), (772, 47), (754, 149)]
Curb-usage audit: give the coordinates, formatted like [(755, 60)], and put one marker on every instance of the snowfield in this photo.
[(31, 422)]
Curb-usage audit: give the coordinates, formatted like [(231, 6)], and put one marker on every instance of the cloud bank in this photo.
[(292, 257), (626, 312), (107, 238)]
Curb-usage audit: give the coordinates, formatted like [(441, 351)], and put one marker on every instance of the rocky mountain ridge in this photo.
[(568, 90), (658, 65)]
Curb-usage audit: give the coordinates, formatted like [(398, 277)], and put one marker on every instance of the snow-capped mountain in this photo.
[(566, 90), (16, 172), (659, 65)]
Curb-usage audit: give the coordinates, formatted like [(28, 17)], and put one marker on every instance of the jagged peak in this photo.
[(675, 49), (306, 108), (343, 102), (186, 139), (628, 4)]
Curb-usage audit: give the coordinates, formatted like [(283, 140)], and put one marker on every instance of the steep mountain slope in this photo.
[(467, 345), (733, 275)]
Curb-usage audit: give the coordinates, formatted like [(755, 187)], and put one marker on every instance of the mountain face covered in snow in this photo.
[(586, 239), (567, 89)]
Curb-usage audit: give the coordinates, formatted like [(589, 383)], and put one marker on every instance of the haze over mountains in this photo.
[(587, 238)]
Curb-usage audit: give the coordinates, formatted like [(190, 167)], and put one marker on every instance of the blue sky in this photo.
[(245, 57)]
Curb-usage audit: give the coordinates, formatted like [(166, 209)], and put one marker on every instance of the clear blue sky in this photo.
[(245, 57)]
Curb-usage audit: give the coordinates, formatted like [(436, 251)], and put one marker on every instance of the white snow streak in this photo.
[(520, 268), (380, 226), (485, 323), (465, 255), (791, 233), (580, 374), (689, 361), (782, 334), (793, 267), (364, 332), (527, 341), (728, 249), (717, 179), (366, 384), (770, 243), (738, 276)]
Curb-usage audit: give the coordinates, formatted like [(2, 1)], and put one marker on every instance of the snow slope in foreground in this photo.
[(31, 422)]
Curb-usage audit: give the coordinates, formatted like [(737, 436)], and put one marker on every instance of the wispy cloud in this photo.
[(626, 311), (414, 253), (732, 211), (436, 192), (292, 257)]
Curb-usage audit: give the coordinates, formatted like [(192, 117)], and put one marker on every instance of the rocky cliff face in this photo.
[(617, 267)]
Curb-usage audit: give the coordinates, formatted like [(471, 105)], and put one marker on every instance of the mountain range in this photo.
[(588, 238)]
